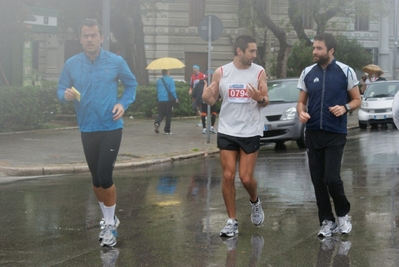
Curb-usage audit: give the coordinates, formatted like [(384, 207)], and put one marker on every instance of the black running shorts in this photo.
[(248, 144)]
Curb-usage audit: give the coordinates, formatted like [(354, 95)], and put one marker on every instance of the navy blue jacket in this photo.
[(326, 88)]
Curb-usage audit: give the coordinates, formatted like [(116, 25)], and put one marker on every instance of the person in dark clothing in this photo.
[(379, 78), (323, 105), (165, 106)]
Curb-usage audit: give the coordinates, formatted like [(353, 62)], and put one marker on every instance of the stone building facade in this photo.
[(171, 30)]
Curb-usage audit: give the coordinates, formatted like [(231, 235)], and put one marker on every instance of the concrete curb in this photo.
[(82, 167)]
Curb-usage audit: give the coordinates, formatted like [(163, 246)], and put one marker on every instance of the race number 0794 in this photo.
[(238, 93)]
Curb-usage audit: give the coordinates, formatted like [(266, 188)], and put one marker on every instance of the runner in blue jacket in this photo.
[(90, 79)]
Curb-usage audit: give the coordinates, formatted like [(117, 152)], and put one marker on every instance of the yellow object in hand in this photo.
[(77, 93)]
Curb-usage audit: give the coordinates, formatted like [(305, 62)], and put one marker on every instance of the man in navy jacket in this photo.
[(328, 91)]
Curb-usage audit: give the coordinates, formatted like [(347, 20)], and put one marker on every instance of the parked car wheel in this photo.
[(362, 125)]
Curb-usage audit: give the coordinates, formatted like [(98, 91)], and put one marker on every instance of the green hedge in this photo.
[(25, 108)]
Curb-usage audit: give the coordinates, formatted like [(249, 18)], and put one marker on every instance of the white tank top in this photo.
[(240, 115)]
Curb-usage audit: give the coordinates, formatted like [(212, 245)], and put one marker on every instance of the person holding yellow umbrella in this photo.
[(166, 90), (166, 98)]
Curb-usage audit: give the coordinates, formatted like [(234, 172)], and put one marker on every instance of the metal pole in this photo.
[(395, 47), (106, 22), (208, 121)]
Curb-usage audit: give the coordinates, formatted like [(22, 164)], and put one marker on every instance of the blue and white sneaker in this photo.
[(109, 237), (230, 229), (328, 228), (102, 225)]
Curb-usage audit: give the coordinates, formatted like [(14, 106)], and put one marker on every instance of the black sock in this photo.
[(257, 199)]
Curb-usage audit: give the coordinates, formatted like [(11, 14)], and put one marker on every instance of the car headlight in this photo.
[(289, 114), (364, 105)]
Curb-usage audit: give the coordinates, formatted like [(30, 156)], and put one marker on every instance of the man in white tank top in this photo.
[(243, 88)]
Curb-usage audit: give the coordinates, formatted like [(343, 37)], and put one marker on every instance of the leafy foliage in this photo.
[(26, 108), (349, 51), (300, 57)]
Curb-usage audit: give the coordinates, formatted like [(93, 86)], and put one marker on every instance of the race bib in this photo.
[(237, 93)]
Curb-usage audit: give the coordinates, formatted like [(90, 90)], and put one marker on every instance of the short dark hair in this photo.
[(90, 23), (242, 42), (164, 72), (328, 39)]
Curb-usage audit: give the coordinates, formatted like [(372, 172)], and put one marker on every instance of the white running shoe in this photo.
[(204, 131), (328, 228), (230, 229), (109, 237), (102, 225), (257, 215), (344, 224)]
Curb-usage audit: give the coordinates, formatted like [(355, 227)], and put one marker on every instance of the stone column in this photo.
[(384, 58)]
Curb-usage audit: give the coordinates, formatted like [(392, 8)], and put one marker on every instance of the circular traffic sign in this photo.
[(216, 28)]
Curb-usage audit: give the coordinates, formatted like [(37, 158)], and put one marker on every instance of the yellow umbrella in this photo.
[(372, 69), (165, 63)]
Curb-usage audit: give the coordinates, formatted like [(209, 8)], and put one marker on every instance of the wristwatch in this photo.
[(347, 107), (261, 101)]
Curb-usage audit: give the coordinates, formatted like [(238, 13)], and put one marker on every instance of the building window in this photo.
[(196, 12), (362, 17), (361, 23), (307, 17)]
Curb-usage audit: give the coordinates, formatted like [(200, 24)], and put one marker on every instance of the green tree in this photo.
[(349, 51), (302, 14)]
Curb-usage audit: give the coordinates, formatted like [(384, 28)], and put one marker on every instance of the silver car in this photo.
[(376, 105), (280, 118)]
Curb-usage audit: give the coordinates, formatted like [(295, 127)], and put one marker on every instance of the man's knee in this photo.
[(247, 180), (107, 184), (229, 177)]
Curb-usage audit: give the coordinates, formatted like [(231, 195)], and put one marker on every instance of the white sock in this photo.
[(102, 208), (109, 215)]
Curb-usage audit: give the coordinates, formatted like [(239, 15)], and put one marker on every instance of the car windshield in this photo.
[(283, 91), (378, 90)]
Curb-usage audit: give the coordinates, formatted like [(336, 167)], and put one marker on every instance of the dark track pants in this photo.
[(325, 150), (164, 111)]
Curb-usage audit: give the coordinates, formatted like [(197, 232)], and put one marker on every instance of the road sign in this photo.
[(216, 28)]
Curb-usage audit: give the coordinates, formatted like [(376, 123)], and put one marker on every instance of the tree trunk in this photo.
[(129, 33), (280, 35), (297, 22)]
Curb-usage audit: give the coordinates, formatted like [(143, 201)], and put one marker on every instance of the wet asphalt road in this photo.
[(171, 214)]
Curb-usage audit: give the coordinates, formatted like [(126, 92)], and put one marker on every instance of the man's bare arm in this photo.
[(211, 93)]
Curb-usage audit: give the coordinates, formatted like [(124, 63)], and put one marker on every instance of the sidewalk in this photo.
[(60, 151)]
